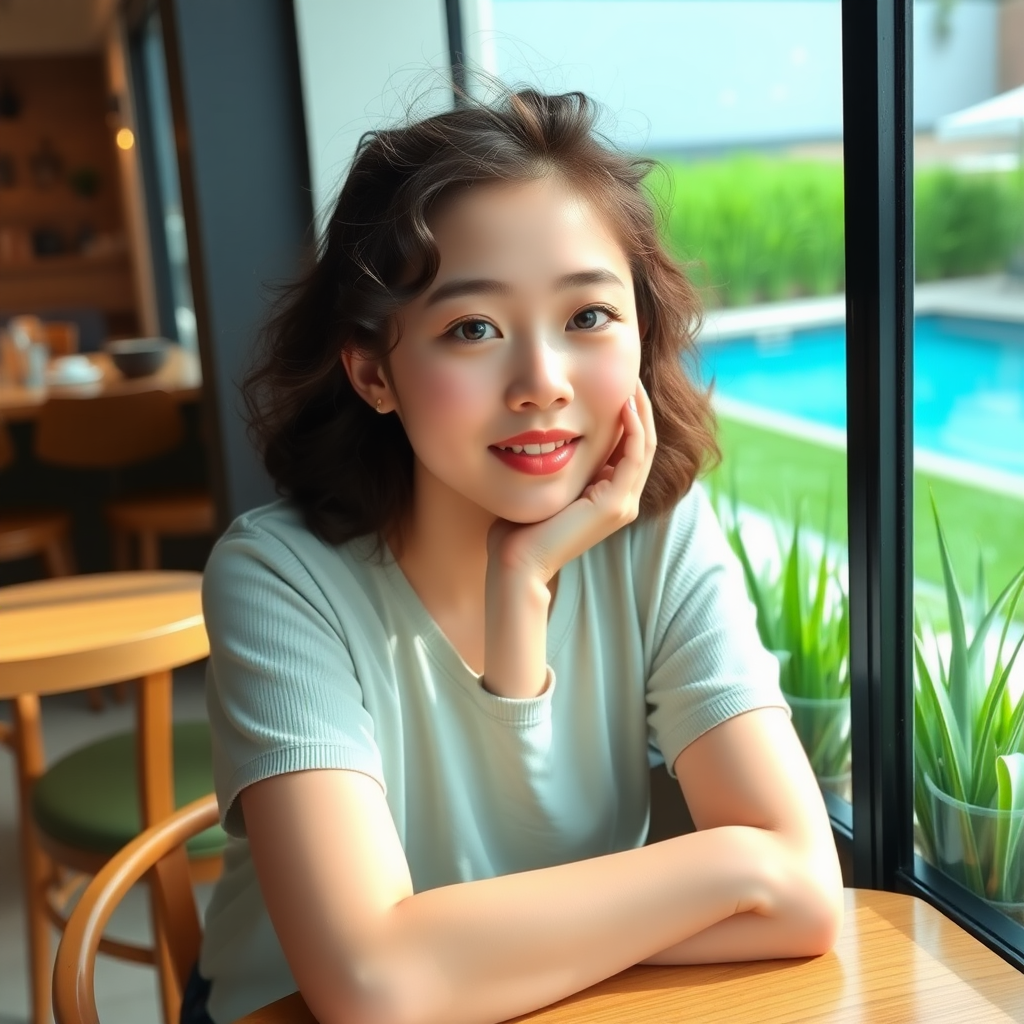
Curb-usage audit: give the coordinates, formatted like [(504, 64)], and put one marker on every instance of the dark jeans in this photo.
[(193, 1000)]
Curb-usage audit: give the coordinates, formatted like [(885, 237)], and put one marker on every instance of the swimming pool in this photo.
[(968, 383)]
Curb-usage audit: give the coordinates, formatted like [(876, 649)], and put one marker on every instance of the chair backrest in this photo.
[(108, 431), (159, 851)]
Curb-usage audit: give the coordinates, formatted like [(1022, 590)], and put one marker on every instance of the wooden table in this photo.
[(898, 961), (180, 376), (70, 633), (73, 632)]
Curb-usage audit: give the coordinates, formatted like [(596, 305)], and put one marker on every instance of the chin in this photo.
[(535, 511)]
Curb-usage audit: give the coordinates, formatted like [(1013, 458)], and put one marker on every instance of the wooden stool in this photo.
[(58, 636), (30, 534), (149, 519), (113, 431)]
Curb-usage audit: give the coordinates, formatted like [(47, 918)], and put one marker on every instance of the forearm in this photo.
[(489, 950), (515, 635)]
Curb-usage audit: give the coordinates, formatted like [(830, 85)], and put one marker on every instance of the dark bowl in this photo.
[(138, 357)]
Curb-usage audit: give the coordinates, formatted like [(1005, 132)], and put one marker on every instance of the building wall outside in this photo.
[(720, 73), (1011, 39)]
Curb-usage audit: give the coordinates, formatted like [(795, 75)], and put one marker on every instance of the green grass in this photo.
[(773, 471)]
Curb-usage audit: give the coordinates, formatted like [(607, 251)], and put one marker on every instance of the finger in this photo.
[(646, 409), (632, 444), (638, 444)]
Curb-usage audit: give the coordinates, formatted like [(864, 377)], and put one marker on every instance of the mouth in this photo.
[(544, 448), (537, 459)]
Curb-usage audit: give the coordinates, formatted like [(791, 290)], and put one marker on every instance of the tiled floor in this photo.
[(125, 993)]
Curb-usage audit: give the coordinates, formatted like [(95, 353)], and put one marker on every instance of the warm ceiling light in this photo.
[(125, 138)]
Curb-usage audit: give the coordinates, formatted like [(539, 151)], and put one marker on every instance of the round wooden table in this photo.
[(71, 633), (74, 632), (897, 961)]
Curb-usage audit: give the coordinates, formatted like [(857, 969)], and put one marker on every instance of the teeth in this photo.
[(533, 449)]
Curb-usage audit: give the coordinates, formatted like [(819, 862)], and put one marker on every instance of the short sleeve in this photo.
[(704, 658), (282, 693)]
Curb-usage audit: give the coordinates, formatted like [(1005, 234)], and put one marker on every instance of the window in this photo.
[(968, 411), (742, 104)]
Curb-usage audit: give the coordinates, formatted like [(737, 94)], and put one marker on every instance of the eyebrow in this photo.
[(488, 286)]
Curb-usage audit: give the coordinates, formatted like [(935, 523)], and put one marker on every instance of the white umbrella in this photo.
[(1001, 115)]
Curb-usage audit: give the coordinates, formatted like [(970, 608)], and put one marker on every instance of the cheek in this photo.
[(610, 381), (443, 398)]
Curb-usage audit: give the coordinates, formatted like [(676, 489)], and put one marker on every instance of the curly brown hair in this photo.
[(349, 470)]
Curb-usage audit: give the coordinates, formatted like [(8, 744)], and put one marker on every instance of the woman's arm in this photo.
[(365, 950), (751, 770)]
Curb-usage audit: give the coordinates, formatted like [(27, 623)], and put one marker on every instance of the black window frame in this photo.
[(876, 831)]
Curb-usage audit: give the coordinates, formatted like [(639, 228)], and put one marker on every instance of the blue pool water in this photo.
[(968, 383)]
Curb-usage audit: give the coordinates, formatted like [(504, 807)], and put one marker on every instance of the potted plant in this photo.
[(803, 618), (969, 747)]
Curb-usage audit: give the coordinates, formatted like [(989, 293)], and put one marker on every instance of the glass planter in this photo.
[(823, 725), (976, 847)]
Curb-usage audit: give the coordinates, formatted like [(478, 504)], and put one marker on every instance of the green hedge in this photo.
[(754, 228)]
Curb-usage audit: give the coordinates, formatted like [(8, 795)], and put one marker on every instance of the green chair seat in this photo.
[(90, 799)]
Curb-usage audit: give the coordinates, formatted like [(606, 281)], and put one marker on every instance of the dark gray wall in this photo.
[(236, 97)]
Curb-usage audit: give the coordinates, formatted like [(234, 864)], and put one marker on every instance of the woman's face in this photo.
[(530, 325)]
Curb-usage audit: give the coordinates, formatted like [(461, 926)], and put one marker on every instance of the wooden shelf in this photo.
[(103, 281), (65, 263)]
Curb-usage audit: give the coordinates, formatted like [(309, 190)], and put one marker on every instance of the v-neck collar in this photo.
[(563, 610)]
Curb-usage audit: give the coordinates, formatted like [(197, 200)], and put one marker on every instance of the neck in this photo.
[(442, 546)]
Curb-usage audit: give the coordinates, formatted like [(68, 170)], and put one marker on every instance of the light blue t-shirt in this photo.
[(323, 658)]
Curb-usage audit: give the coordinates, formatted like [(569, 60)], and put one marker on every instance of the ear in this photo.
[(368, 380)]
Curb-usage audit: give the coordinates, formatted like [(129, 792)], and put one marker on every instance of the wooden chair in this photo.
[(59, 636), (31, 534), (114, 431), (160, 853)]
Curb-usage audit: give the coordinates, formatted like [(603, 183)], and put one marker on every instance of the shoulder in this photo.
[(682, 562), (270, 559), (686, 540)]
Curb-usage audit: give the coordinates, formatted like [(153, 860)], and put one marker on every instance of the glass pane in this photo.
[(969, 449), (742, 102)]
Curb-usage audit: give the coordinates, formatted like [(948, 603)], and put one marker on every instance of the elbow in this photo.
[(822, 909), (810, 901), (825, 924), (375, 994)]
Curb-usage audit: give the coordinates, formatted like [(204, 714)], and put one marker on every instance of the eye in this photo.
[(473, 330), (591, 318)]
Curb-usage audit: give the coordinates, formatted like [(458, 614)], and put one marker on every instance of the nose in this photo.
[(539, 374)]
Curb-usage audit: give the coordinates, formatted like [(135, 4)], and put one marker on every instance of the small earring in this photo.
[(379, 400)]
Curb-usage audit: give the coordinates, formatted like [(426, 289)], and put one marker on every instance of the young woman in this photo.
[(491, 598)]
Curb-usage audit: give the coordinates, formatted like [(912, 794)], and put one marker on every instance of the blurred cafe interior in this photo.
[(139, 141), (100, 378)]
